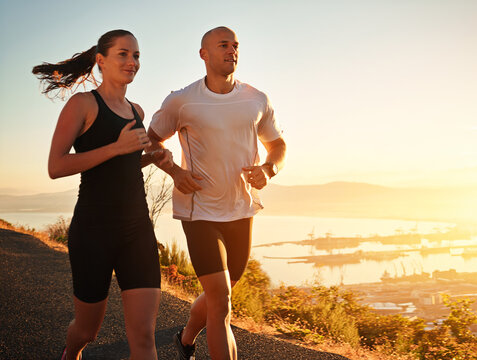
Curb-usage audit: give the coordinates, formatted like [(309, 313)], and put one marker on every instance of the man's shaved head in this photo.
[(210, 32)]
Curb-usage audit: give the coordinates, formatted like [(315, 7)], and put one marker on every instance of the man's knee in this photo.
[(143, 335), (220, 304), (197, 310)]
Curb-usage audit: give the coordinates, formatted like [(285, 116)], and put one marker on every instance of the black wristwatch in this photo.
[(270, 168)]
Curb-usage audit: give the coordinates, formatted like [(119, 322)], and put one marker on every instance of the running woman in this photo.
[(110, 229)]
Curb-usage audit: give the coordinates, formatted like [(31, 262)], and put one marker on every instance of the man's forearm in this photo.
[(276, 154), (171, 170)]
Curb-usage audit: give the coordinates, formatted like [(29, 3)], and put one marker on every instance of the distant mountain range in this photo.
[(47, 202), (336, 199), (348, 199)]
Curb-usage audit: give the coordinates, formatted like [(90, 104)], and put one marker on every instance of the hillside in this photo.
[(345, 199), (336, 199), (47, 202)]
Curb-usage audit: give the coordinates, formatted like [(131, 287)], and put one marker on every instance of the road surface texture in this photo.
[(36, 307)]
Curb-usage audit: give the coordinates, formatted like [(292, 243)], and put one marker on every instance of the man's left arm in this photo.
[(258, 176)]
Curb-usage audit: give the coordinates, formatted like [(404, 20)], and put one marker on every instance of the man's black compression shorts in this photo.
[(218, 246)]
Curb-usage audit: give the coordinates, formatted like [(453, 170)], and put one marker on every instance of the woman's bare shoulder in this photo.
[(139, 110)]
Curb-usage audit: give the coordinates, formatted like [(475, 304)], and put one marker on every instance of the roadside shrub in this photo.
[(439, 344), (173, 255), (58, 231), (321, 311), (461, 317), (250, 296), (394, 332), (177, 268)]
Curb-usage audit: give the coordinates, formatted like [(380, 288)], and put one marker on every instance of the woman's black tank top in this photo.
[(116, 186)]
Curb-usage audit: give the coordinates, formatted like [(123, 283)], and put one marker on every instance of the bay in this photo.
[(276, 260)]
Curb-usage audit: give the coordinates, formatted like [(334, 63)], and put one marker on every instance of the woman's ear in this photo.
[(100, 60)]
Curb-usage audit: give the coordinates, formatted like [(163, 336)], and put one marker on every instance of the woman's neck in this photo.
[(113, 92)]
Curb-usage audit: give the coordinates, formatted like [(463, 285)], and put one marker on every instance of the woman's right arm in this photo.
[(70, 123)]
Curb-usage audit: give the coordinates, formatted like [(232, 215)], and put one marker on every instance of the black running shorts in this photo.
[(218, 246), (99, 245)]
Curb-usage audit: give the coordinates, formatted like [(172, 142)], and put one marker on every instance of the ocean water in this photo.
[(277, 260)]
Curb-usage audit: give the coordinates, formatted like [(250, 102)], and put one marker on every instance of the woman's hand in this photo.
[(131, 140)]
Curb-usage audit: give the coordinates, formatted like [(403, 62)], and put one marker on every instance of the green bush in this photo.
[(461, 317), (173, 255), (59, 230), (322, 311), (250, 296), (178, 269), (394, 332), (439, 344)]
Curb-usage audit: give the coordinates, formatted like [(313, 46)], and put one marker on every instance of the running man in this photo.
[(219, 121)]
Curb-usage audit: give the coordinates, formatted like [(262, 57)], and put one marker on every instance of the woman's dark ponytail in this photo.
[(64, 75)]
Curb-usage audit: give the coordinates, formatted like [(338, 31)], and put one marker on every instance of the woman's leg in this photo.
[(140, 312), (84, 327)]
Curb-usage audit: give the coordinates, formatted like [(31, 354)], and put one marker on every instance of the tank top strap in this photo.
[(98, 97), (136, 114), (102, 104)]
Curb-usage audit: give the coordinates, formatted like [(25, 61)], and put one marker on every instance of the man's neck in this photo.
[(220, 84)]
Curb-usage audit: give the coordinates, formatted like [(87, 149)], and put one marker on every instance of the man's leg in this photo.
[(208, 255), (209, 244), (197, 320), (220, 339)]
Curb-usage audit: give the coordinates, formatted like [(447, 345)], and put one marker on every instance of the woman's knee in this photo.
[(89, 336), (85, 335)]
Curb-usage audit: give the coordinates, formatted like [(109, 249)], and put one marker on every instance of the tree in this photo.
[(158, 191)]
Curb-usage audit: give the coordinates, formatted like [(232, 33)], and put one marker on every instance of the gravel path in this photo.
[(36, 307)]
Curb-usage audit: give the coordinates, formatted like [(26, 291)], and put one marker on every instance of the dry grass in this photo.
[(357, 353), (176, 290), (40, 235)]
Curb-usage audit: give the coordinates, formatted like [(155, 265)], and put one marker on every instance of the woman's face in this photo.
[(122, 61)]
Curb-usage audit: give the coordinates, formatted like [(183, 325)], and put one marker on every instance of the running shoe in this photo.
[(184, 352), (63, 355)]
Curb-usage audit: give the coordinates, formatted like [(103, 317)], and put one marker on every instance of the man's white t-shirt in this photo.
[(218, 134)]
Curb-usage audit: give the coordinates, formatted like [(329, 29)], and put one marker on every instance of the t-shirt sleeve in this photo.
[(268, 127), (165, 121)]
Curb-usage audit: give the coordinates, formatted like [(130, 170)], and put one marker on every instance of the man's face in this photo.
[(220, 52)]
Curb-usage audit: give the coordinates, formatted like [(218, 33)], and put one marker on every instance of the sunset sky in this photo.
[(383, 92)]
